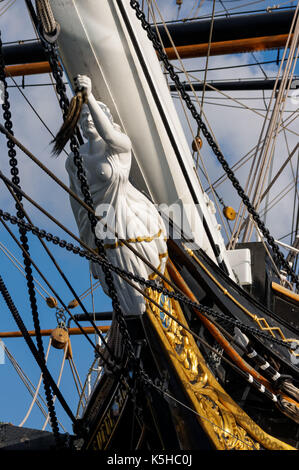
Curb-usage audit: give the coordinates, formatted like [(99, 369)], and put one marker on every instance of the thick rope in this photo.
[(45, 15), (37, 389)]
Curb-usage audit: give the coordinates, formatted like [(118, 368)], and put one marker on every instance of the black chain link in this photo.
[(24, 241), (201, 125), (209, 312), (74, 145)]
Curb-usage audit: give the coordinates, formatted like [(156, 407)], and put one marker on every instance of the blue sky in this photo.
[(236, 131)]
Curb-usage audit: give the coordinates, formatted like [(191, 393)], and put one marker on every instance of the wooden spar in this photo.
[(185, 52), (230, 36), (234, 46), (27, 69), (71, 331)]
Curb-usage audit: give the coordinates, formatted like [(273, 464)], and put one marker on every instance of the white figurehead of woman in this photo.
[(128, 213)]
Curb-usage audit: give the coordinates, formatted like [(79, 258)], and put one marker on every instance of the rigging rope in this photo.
[(27, 382), (256, 164), (207, 58), (37, 389), (163, 57), (20, 268)]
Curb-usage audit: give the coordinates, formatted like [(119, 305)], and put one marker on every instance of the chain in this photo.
[(24, 240), (61, 318), (150, 284), (64, 103), (201, 125)]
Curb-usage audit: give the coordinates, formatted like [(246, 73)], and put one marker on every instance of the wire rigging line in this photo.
[(198, 7), (207, 59), (267, 152), (247, 156), (37, 388), (21, 268), (175, 400), (210, 86), (278, 197), (295, 178), (92, 300), (53, 290), (83, 395), (27, 382), (32, 107), (224, 8), (227, 67), (287, 235), (259, 65), (224, 13), (60, 272), (230, 105), (234, 8), (203, 169), (6, 7), (75, 379), (279, 172)]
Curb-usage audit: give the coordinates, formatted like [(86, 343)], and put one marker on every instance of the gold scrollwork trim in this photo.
[(112, 246), (226, 424)]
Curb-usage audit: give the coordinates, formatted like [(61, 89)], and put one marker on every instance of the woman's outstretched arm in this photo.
[(114, 138)]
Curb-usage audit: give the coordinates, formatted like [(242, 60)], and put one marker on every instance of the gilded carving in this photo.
[(224, 422)]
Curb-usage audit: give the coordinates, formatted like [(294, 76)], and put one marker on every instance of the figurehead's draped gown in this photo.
[(132, 215)]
